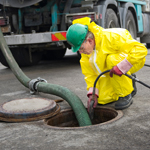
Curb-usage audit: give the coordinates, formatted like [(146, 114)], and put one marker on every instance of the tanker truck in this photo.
[(36, 29)]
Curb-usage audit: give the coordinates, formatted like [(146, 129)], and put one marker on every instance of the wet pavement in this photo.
[(131, 132)]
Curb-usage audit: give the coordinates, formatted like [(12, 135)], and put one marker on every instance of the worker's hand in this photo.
[(115, 70), (90, 99), (121, 68)]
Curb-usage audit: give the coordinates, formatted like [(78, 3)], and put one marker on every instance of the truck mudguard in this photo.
[(104, 6), (124, 9), (146, 24)]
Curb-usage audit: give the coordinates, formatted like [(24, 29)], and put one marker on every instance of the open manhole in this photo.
[(66, 119)]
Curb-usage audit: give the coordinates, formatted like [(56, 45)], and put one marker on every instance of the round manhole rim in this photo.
[(119, 112)]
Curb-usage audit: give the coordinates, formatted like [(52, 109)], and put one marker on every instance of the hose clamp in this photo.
[(33, 84)]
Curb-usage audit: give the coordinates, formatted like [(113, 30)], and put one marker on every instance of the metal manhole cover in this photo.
[(29, 109)]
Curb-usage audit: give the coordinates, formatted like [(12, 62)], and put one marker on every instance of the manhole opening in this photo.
[(66, 118)]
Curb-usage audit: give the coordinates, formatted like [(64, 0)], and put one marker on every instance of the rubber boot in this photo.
[(124, 102)]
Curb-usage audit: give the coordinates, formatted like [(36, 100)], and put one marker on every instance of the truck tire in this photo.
[(148, 45), (54, 54), (130, 24), (21, 55), (111, 20)]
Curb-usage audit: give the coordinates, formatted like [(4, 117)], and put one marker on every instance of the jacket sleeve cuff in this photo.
[(124, 66), (91, 91)]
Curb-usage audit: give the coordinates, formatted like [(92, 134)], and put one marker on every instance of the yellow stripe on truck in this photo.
[(60, 36)]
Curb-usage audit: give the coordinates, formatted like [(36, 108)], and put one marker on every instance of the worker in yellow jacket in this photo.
[(103, 49)]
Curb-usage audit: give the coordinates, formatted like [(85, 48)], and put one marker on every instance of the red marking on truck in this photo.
[(59, 36), (3, 21), (54, 38), (64, 34), (100, 16)]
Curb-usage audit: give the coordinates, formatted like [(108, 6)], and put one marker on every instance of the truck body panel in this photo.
[(35, 38)]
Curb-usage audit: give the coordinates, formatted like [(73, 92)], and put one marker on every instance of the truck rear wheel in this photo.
[(130, 24), (22, 57), (148, 45), (111, 20)]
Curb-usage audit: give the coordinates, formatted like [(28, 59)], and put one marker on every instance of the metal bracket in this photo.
[(33, 84), (86, 5)]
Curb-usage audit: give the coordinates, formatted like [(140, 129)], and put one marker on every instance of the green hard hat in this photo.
[(76, 35)]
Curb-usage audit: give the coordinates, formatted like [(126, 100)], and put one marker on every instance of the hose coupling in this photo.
[(33, 84)]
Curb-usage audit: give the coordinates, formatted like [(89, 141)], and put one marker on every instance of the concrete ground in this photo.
[(131, 132)]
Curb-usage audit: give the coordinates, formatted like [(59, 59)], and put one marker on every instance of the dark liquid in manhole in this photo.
[(66, 118)]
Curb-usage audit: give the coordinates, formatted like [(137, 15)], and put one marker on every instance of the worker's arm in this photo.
[(136, 53), (121, 41), (90, 77), (88, 72)]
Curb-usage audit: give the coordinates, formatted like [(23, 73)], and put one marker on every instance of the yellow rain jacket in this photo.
[(112, 46)]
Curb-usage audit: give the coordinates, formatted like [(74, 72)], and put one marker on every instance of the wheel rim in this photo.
[(111, 24)]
